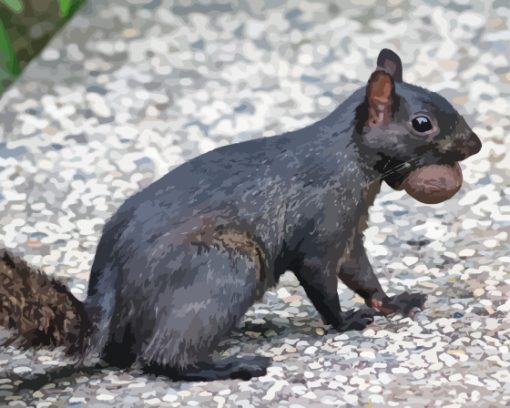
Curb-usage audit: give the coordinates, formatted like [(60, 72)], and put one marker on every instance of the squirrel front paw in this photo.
[(407, 304)]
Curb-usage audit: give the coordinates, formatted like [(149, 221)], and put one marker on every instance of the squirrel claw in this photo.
[(413, 312), (408, 304)]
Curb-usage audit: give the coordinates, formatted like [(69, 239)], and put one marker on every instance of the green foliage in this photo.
[(8, 59), (14, 5), (67, 7), (25, 28)]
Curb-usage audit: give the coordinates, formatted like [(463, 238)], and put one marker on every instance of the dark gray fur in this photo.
[(164, 289)]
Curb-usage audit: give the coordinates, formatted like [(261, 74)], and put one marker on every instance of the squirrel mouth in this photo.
[(396, 180), (430, 184)]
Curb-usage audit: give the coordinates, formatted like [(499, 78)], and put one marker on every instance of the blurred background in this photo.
[(25, 28)]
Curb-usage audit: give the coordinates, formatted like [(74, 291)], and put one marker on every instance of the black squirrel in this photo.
[(181, 261)]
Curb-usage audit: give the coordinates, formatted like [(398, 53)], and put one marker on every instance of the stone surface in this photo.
[(131, 88)]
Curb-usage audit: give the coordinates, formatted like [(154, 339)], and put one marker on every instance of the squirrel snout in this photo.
[(472, 146), (464, 147)]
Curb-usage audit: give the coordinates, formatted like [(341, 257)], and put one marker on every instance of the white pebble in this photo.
[(170, 398), (410, 260), (105, 397), (467, 252), (22, 370), (311, 350)]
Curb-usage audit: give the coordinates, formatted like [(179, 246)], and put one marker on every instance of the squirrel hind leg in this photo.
[(120, 353), (196, 312)]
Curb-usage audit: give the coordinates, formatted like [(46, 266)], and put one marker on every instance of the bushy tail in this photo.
[(41, 311)]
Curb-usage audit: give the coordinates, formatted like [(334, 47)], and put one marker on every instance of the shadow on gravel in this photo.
[(36, 381), (26, 385)]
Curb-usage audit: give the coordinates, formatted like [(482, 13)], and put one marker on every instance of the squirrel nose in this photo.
[(473, 145), (465, 147)]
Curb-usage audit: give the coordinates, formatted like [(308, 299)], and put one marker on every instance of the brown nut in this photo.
[(434, 183)]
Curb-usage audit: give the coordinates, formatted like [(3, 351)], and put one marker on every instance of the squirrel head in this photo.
[(408, 127)]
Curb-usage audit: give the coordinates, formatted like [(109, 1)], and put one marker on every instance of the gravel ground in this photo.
[(129, 89)]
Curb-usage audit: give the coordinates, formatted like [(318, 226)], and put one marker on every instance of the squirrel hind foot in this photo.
[(243, 368)]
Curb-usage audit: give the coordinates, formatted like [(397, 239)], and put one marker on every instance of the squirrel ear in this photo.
[(390, 62), (380, 98)]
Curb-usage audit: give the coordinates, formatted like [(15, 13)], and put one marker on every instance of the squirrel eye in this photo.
[(421, 124)]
